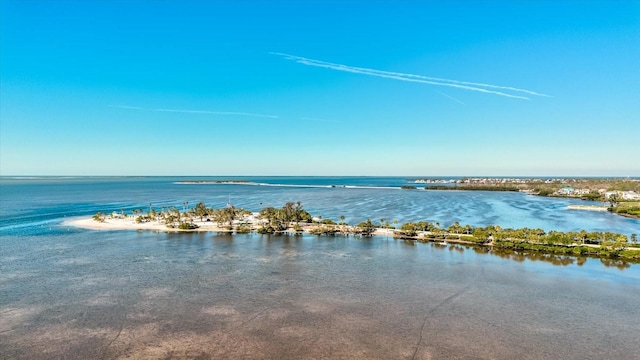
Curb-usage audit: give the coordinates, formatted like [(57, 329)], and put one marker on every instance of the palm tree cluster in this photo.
[(278, 220)]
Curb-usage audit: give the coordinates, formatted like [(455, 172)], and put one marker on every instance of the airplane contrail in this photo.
[(413, 77), (452, 98)]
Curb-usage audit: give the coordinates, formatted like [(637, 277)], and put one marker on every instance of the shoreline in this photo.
[(87, 222)]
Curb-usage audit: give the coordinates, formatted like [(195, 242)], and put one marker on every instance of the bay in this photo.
[(74, 293)]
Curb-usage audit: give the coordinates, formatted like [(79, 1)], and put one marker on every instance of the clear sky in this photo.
[(320, 88)]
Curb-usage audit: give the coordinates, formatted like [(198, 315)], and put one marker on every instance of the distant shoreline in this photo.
[(590, 189), (205, 182)]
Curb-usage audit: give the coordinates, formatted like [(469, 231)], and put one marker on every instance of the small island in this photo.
[(293, 219)]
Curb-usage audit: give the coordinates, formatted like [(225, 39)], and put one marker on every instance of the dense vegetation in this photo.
[(601, 244), (631, 208), (279, 220)]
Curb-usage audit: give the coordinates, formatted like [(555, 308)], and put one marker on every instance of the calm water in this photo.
[(72, 293)]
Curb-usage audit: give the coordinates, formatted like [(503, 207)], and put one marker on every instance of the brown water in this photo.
[(109, 295)]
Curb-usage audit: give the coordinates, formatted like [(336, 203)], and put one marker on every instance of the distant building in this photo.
[(630, 195), (566, 191), (624, 195)]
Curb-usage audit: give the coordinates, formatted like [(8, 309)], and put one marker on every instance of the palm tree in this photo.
[(201, 210)]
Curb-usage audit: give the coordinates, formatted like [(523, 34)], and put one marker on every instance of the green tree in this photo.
[(366, 228), (409, 229), (226, 215), (99, 217), (201, 210)]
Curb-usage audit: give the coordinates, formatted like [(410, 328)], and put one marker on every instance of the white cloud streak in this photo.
[(465, 85), (204, 112), (451, 97)]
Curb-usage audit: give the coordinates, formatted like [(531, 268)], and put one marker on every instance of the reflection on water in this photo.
[(520, 256), (118, 294), (620, 264)]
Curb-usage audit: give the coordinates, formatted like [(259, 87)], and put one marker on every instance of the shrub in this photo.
[(266, 230), (544, 192), (405, 233), (187, 226), (323, 230), (243, 229)]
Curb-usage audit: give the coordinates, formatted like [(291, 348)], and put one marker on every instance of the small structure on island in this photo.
[(229, 206)]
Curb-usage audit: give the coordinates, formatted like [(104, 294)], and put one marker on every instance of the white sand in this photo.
[(587, 207), (130, 224)]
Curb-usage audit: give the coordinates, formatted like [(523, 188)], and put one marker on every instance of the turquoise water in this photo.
[(74, 293)]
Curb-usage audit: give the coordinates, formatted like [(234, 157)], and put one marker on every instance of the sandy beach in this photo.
[(128, 223), (587, 207)]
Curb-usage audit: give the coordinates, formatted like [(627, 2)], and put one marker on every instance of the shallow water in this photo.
[(73, 293), (144, 294)]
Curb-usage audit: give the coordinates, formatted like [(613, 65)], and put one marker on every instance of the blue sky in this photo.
[(205, 88)]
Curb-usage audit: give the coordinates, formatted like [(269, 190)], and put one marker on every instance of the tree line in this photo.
[(292, 217)]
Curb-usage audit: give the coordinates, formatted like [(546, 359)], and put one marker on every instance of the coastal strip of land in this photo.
[(292, 219), (129, 223)]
